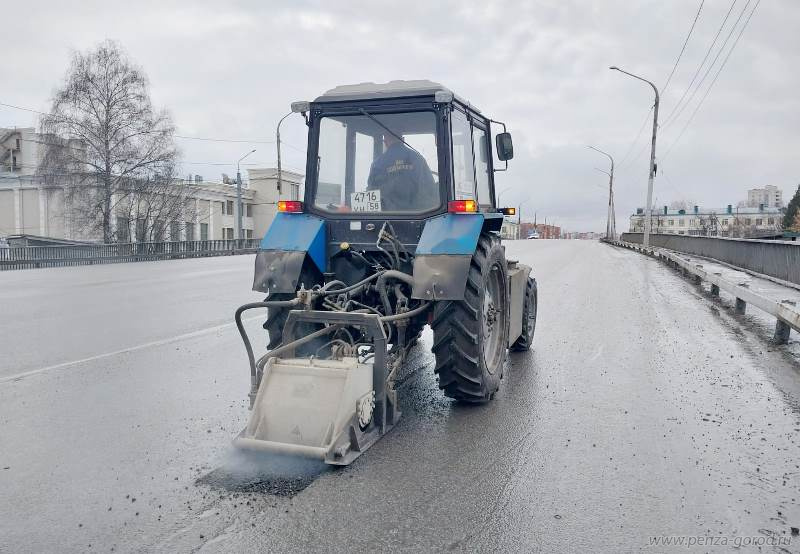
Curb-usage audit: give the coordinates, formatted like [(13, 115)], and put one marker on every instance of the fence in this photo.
[(27, 257), (785, 312), (779, 259)]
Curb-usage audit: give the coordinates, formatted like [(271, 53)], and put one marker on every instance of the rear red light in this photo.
[(290, 206), (462, 206)]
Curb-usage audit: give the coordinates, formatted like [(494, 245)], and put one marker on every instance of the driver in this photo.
[(403, 177)]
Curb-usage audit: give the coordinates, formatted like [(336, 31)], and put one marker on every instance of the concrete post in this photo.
[(715, 288), (782, 331)]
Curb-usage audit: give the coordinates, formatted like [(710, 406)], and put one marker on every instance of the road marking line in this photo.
[(597, 354), (151, 344)]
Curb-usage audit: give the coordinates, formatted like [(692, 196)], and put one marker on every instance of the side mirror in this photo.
[(301, 107), (505, 147)]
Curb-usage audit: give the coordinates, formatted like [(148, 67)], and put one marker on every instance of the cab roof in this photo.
[(392, 89)]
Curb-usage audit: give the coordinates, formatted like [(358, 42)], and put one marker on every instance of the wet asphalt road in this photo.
[(644, 410)]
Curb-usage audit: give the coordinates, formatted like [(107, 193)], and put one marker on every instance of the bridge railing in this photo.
[(27, 257), (785, 311), (778, 259)]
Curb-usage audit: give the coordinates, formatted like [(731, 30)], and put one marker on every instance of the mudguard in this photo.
[(290, 239), (443, 255)]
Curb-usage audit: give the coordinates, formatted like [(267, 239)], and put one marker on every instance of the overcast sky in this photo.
[(231, 69)]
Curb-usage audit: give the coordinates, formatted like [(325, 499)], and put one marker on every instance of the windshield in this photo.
[(378, 163)]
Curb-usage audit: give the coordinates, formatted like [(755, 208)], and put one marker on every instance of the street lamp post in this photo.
[(648, 207), (239, 196), (278, 146), (611, 219), (519, 218)]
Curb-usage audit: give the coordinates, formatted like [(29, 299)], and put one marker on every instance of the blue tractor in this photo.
[(398, 229)]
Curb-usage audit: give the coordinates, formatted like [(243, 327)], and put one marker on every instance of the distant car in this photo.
[(534, 235)]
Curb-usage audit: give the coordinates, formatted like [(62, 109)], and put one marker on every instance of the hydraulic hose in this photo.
[(331, 283), (390, 274), (243, 333), (410, 313), (295, 343), (352, 287)]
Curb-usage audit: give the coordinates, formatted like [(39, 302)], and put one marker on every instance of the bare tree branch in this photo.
[(113, 154)]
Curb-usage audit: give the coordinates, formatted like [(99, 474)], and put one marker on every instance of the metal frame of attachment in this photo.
[(385, 414)]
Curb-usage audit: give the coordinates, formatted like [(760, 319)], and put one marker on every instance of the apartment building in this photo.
[(724, 222), (769, 196)]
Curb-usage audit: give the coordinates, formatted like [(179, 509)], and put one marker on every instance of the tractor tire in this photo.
[(414, 331), (525, 340), (276, 319), (470, 335)]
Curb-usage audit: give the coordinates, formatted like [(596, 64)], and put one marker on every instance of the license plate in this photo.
[(366, 201)]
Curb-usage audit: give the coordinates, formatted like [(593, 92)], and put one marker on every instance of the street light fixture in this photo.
[(611, 219), (501, 193), (648, 207), (239, 196)]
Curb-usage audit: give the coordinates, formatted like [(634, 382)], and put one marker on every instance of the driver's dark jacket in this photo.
[(404, 179)]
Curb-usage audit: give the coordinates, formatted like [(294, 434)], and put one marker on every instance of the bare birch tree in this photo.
[(106, 144)]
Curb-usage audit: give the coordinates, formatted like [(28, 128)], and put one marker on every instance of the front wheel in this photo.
[(470, 336)]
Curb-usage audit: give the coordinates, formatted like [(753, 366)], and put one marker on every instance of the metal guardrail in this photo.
[(778, 259), (785, 312), (27, 257)]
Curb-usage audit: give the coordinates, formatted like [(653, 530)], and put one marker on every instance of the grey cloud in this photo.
[(231, 69)]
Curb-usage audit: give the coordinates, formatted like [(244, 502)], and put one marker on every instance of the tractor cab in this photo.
[(403, 150)]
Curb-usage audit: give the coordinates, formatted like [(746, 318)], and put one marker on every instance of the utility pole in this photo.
[(239, 196), (648, 207), (610, 218)]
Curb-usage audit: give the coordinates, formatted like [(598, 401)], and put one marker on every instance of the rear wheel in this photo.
[(470, 336), (276, 319), (525, 340)]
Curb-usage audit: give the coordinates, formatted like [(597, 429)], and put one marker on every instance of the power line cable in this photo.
[(702, 63), (185, 137), (635, 140), (676, 113), (683, 48), (708, 90)]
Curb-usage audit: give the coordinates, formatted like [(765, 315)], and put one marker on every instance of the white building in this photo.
[(509, 230), (770, 196), (28, 207), (724, 222)]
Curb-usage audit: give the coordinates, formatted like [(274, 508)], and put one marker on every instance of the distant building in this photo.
[(546, 231), (724, 222), (509, 230), (590, 235), (29, 207), (770, 196)]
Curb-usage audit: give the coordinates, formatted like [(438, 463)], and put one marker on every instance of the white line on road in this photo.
[(597, 354), (151, 344)]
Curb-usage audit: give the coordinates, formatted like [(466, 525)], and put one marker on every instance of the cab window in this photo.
[(378, 163), (463, 170), (480, 149)]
